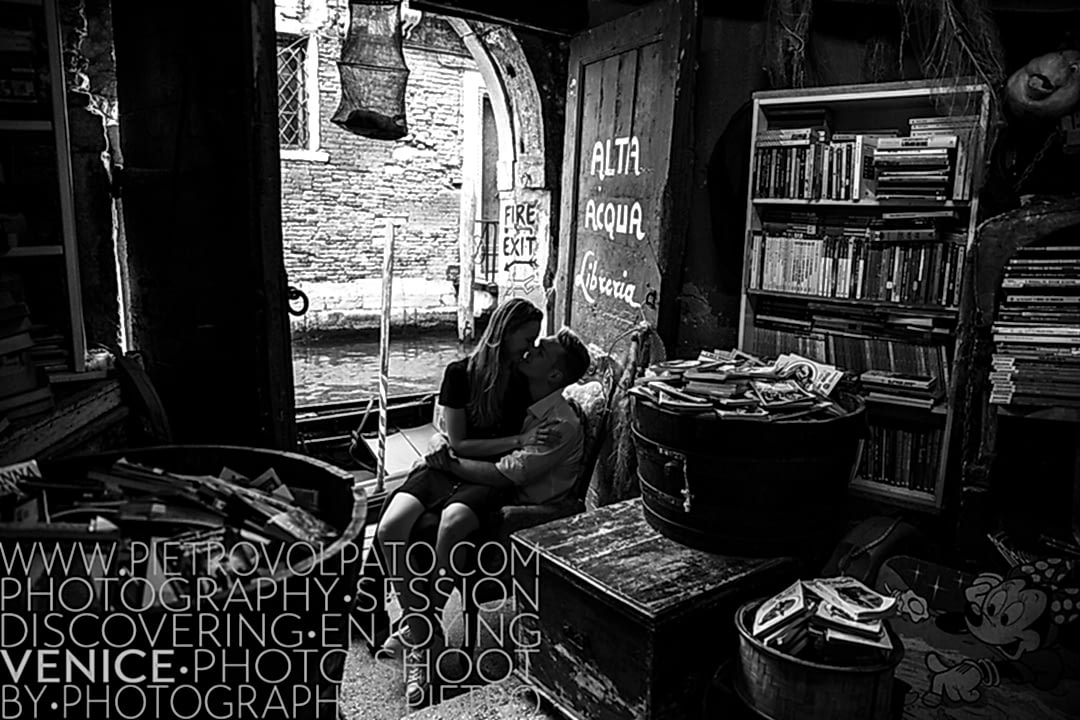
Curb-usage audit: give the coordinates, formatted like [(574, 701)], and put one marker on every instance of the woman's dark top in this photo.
[(456, 392)]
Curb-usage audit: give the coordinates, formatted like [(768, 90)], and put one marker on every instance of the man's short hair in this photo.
[(575, 360)]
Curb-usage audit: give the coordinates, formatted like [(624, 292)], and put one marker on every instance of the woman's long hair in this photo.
[(489, 371)]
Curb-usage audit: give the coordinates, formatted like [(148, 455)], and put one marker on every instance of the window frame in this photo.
[(310, 79)]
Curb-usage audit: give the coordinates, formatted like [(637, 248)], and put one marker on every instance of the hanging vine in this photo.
[(950, 38), (953, 41), (954, 38), (787, 40)]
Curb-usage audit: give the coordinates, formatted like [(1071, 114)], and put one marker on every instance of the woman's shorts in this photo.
[(436, 489)]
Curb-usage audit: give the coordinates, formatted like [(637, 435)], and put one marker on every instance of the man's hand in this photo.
[(440, 459), (546, 433)]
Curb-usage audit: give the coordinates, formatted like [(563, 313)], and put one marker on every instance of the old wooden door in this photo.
[(627, 168)]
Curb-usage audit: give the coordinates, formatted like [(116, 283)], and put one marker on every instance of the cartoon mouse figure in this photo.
[(1019, 616)]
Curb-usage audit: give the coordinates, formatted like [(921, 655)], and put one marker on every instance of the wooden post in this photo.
[(384, 350), (466, 252)]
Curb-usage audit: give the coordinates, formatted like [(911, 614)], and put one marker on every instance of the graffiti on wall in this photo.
[(622, 219)]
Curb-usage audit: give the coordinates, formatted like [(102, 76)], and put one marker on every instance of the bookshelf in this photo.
[(39, 266), (860, 215)]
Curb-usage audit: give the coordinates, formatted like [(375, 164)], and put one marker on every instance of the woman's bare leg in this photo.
[(393, 533), (456, 523)]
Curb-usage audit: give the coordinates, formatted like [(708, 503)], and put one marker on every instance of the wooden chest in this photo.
[(630, 623)]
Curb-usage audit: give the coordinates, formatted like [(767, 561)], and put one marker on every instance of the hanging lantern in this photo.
[(373, 72)]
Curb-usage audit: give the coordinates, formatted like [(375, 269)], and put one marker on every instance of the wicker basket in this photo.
[(782, 687)]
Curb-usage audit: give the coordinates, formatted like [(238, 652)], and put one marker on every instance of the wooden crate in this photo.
[(631, 624)]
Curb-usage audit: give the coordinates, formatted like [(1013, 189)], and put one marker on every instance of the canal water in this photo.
[(326, 372)]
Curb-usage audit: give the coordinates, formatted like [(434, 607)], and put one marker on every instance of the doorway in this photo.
[(470, 125)]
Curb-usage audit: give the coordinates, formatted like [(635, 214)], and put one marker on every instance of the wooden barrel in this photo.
[(282, 649), (745, 486), (781, 687)]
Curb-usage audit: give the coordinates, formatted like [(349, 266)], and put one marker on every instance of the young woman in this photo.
[(481, 408)]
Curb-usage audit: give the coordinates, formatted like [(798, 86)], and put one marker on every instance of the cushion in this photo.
[(589, 401), (988, 644)]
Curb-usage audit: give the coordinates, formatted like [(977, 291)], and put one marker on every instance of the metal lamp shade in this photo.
[(373, 72)]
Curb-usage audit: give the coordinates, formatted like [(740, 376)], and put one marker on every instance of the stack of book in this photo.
[(1037, 328), (893, 388), (964, 127), (915, 168), (735, 384), (826, 618), (24, 390)]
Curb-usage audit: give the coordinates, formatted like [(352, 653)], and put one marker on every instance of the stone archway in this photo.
[(524, 198)]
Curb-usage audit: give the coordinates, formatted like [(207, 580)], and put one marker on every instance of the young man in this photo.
[(535, 474), (532, 475)]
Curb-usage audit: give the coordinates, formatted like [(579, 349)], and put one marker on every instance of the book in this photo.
[(853, 597), (780, 610), (18, 377), (886, 378), (15, 405), (15, 343), (832, 635), (829, 615), (907, 143), (781, 394), (816, 377)]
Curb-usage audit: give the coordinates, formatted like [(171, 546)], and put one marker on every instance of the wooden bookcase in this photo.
[(855, 252), (37, 209)]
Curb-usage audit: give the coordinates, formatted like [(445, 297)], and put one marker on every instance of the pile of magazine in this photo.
[(836, 620), (731, 383)]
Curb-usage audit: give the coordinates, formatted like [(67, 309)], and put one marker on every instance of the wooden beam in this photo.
[(556, 17)]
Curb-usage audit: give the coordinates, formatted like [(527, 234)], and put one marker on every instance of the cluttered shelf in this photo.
[(866, 202), (32, 251), (879, 305), (874, 490), (25, 125), (1050, 414), (78, 412)]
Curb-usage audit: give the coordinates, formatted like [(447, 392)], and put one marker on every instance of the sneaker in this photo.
[(416, 678)]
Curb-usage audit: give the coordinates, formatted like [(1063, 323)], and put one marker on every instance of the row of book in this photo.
[(855, 352), (902, 457), (1036, 331), (734, 384), (906, 273), (821, 618), (884, 226), (808, 163)]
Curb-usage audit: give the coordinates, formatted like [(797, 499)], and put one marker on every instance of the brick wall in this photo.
[(333, 211)]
